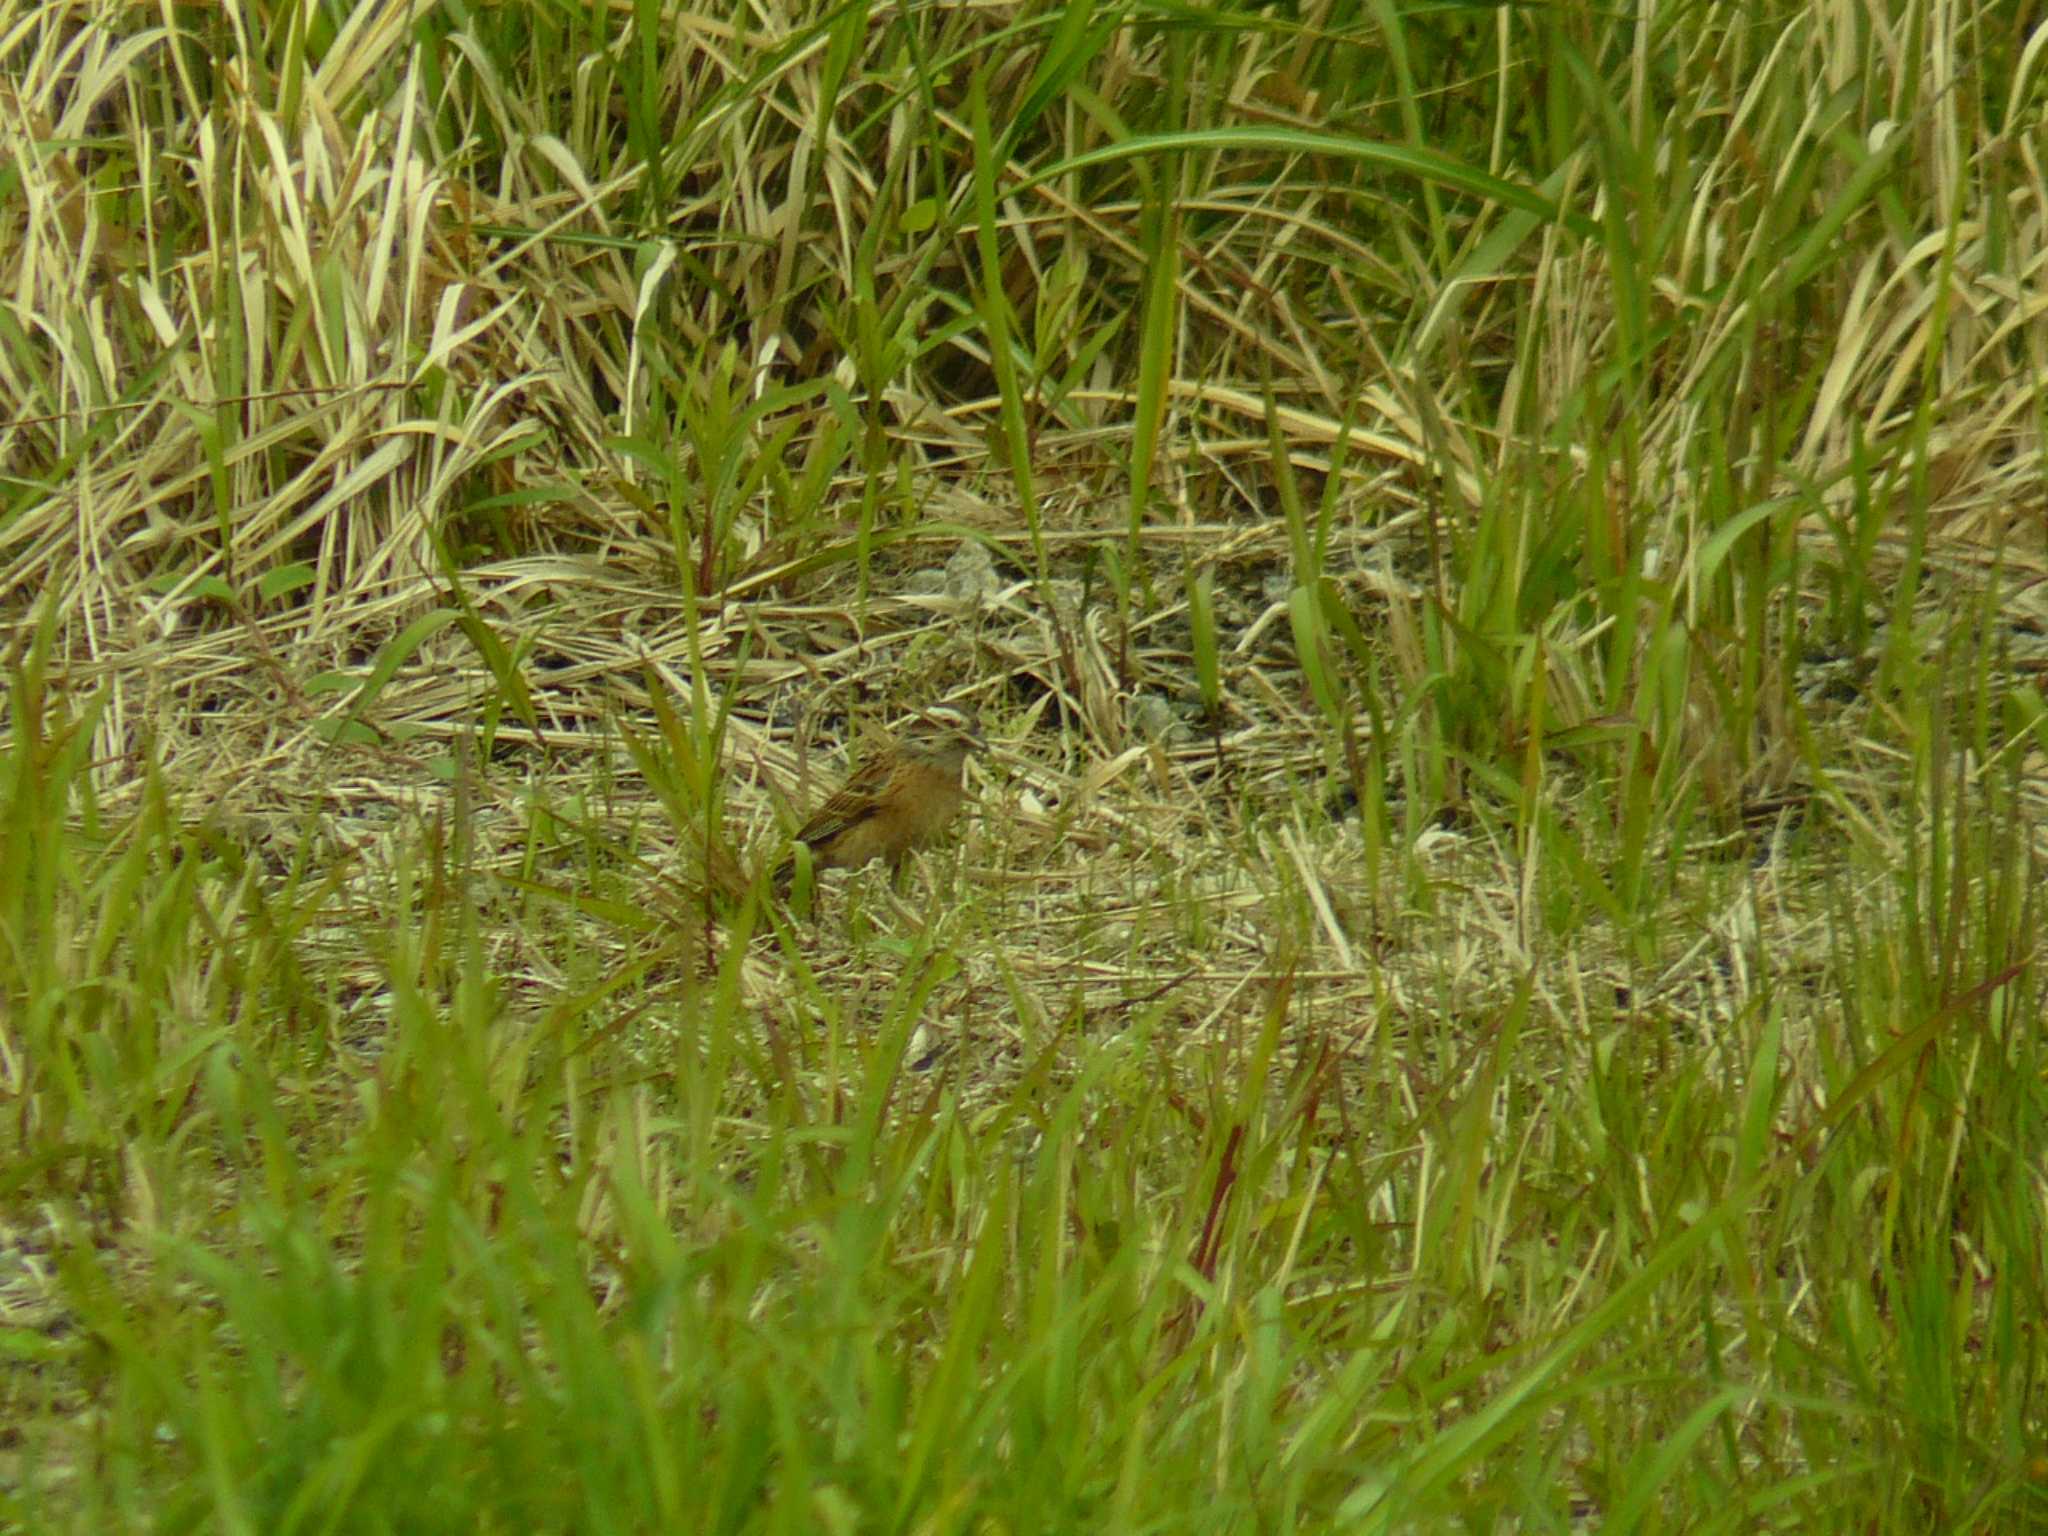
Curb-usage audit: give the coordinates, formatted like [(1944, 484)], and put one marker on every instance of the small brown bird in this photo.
[(902, 798)]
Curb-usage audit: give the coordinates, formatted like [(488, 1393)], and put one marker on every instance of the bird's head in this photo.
[(945, 734)]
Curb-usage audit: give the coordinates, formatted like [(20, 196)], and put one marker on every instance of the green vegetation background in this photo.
[(1496, 984)]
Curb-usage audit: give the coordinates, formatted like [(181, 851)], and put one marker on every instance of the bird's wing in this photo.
[(854, 802)]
